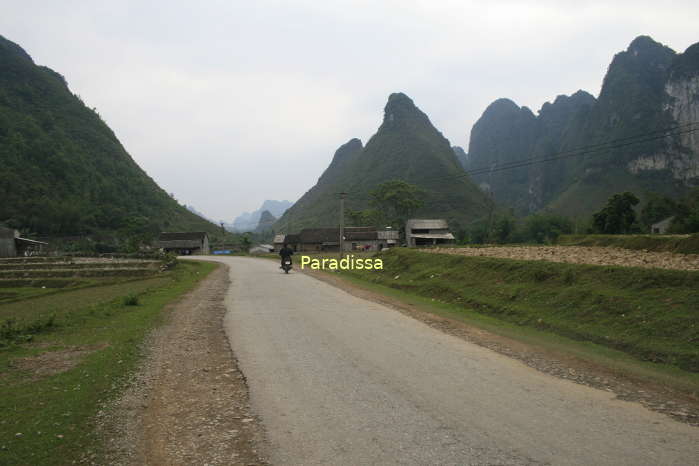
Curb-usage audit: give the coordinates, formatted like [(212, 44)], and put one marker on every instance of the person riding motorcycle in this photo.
[(286, 252)]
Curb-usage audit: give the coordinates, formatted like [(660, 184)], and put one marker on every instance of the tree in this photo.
[(618, 216), (656, 209), (504, 229), (392, 203), (396, 201), (363, 218), (545, 228), (687, 214)]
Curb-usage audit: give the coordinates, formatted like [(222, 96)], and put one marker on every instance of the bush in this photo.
[(130, 300)]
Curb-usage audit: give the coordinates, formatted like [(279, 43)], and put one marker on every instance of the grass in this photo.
[(54, 414), (649, 314), (663, 243)]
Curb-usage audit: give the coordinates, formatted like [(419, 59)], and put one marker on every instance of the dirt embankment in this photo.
[(582, 255), (188, 403)]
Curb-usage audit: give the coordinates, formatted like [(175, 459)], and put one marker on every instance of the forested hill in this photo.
[(406, 147), (647, 88), (62, 170)]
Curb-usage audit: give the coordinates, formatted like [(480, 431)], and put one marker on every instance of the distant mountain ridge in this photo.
[(266, 222), (647, 88), (248, 221), (407, 147), (62, 169)]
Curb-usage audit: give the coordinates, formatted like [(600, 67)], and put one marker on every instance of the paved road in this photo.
[(340, 380)]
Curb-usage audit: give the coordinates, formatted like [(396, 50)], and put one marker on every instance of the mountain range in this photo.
[(648, 89), (249, 221), (62, 169), (407, 147)]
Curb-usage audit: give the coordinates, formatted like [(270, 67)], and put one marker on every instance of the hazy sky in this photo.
[(228, 103)]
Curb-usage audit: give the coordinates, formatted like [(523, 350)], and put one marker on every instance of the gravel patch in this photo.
[(188, 403), (581, 255)]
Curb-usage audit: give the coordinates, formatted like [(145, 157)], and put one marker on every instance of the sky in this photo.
[(228, 103)]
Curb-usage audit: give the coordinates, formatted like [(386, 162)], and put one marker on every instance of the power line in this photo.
[(585, 150), (686, 128)]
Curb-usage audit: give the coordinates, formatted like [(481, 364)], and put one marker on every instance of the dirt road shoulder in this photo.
[(188, 402)]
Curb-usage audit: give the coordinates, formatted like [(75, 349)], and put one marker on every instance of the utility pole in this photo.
[(223, 237), (342, 223)]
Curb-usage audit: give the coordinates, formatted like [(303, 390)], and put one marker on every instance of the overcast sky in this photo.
[(228, 103)]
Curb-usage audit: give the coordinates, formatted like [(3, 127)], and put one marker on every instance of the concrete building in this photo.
[(660, 228), (427, 232), (278, 241), (261, 249), (184, 243), (13, 245)]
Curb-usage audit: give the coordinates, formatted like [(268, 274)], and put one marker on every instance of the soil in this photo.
[(582, 255), (54, 362), (679, 405), (188, 402)]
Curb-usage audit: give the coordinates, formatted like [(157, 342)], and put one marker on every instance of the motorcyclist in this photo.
[(285, 252)]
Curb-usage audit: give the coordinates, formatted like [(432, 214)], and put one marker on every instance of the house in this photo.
[(427, 232), (184, 243), (279, 241), (355, 239), (293, 241), (318, 239), (13, 245), (660, 228), (261, 249)]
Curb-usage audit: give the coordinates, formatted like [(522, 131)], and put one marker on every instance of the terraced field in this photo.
[(22, 278)]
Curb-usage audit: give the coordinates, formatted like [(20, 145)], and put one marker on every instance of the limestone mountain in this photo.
[(266, 222), (62, 170), (407, 147), (461, 156), (648, 88), (248, 221)]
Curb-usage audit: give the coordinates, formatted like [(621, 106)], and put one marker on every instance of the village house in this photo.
[(13, 245), (278, 241), (184, 243), (261, 249), (427, 232), (355, 239), (660, 228)]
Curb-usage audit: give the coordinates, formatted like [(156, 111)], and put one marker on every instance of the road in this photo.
[(338, 380)]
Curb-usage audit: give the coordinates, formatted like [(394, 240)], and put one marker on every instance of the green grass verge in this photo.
[(650, 314), (660, 243), (54, 414)]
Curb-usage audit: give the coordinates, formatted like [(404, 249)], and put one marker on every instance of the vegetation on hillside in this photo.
[(63, 171), (406, 147), (392, 204), (632, 107)]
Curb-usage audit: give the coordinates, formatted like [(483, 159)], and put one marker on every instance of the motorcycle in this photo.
[(286, 265)]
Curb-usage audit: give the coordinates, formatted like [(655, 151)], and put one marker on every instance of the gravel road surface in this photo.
[(338, 380)]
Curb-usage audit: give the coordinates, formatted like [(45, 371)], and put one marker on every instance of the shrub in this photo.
[(130, 300)]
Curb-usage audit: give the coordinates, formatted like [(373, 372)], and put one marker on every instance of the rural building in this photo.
[(293, 241), (660, 228), (278, 241), (355, 239), (261, 249), (13, 245), (184, 243), (427, 232)]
